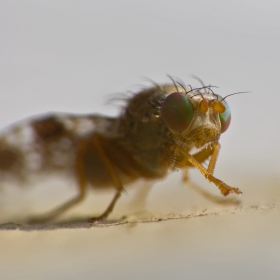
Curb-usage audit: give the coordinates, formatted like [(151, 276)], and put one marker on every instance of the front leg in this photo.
[(207, 173), (213, 159), (203, 155)]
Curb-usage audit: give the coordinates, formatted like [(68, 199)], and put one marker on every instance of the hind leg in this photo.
[(94, 143), (53, 214)]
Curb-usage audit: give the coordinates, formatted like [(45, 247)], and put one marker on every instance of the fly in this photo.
[(161, 128)]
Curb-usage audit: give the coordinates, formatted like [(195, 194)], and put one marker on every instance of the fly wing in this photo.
[(47, 144)]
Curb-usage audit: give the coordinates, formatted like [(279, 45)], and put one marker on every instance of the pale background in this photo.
[(67, 56)]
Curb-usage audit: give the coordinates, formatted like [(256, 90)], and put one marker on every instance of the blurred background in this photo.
[(68, 56)]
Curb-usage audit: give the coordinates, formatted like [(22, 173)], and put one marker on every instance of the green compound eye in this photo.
[(225, 117), (177, 111)]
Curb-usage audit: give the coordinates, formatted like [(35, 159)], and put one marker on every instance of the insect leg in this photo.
[(72, 202), (59, 210), (114, 176), (201, 156), (207, 195), (224, 188), (214, 157)]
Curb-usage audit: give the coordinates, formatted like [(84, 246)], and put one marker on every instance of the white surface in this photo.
[(215, 247), (68, 55)]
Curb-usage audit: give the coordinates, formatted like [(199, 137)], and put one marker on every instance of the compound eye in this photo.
[(177, 111), (224, 113)]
